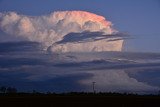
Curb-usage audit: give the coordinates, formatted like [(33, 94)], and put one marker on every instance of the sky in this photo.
[(138, 18), (35, 56)]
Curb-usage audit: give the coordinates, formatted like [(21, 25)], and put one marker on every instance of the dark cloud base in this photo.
[(25, 66)]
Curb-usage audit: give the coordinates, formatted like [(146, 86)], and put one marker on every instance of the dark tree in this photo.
[(3, 89), (11, 90), (35, 92)]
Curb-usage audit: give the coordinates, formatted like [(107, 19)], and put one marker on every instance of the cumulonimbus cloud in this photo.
[(49, 29)]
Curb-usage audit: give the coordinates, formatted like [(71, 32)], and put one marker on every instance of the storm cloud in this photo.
[(26, 69), (52, 28)]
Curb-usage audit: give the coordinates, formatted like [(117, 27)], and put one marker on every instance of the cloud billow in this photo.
[(49, 29)]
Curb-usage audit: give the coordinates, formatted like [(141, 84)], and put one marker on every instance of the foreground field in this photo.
[(78, 100)]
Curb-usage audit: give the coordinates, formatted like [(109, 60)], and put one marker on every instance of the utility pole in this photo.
[(93, 86)]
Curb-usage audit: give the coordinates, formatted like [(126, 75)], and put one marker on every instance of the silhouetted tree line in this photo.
[(4, 89)]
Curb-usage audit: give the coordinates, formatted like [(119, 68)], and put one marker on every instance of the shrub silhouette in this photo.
[(11, 90), (3, 89)]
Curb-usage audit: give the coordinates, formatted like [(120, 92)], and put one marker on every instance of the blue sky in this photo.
[(139, 18)]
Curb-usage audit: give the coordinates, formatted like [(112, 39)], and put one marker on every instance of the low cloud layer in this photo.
[(28, 69), (117, 80), (49, 29)]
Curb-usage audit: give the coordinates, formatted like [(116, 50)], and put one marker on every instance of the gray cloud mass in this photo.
[(120, 71)]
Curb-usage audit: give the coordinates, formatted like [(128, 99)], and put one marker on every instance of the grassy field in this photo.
[(78, 100)]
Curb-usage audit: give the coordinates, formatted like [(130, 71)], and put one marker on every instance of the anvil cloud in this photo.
[(49, 29)]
